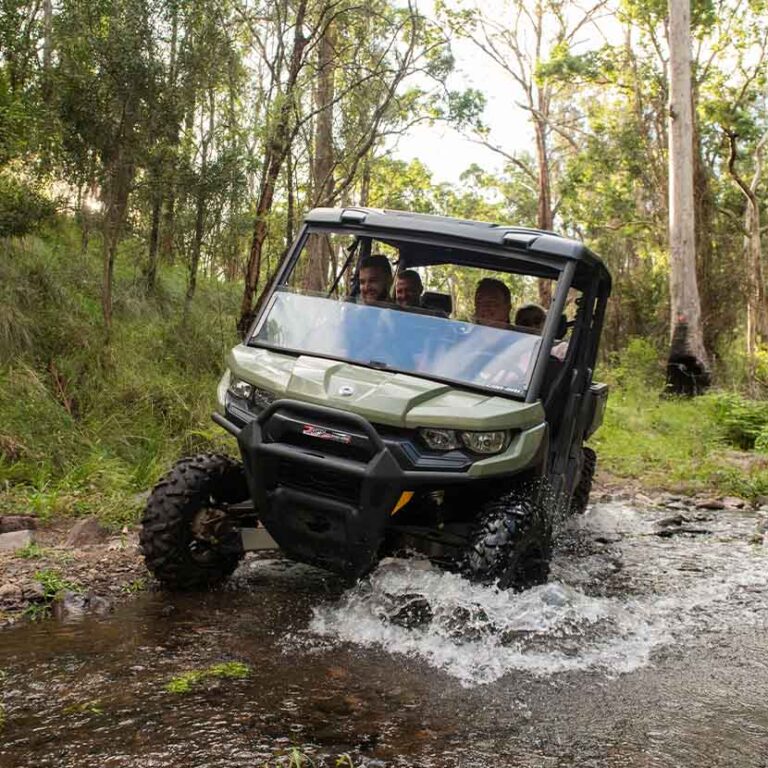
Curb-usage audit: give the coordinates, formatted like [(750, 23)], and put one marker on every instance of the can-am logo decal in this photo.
[(326, 434)]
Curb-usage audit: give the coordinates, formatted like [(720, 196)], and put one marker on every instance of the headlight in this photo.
[(240, 388), (485, 442), (258, 398), (440, 439)]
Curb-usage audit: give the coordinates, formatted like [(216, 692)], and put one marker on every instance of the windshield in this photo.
[(419, 309), (400, 340)]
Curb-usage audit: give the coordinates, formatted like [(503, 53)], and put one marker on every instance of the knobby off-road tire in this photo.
[(173, 553), (580, 497), (511, 545)]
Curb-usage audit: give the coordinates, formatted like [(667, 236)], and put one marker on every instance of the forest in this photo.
[(157, 157)]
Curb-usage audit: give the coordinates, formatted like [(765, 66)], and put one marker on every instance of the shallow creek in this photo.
[(643, 650)]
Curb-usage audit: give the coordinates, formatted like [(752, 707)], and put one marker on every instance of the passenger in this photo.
[(493, 303), (531, 316), (375, 279), (408, 288)]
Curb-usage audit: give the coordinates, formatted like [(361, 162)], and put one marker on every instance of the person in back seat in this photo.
[(531, 316), (408, 288), (493, 303)]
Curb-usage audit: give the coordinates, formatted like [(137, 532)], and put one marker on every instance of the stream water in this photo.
[(642, 650)]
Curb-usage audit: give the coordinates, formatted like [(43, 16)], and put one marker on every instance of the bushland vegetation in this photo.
[(156, 158)]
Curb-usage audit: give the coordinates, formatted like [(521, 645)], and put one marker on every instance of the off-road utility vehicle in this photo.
[(367, 428)]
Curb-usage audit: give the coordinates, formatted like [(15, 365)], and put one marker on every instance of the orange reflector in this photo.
[(405, 497)]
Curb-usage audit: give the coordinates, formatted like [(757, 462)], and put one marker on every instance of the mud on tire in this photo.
[(172, 551), (580, 497), (511, 545)]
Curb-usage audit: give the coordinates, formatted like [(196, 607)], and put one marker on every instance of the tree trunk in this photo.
[(544, 209), (201, 199), (117, 189), (687, 365), (323, 160), (757, 306), (278, 145), (150, 273)]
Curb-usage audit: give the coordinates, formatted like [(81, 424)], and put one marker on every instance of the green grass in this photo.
[(185, 682), (678, 444)]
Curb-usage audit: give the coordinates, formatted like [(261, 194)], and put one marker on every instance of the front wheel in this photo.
[(511, 545), (187, 538)]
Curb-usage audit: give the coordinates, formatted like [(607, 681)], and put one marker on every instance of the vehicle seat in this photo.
[(440, 302)]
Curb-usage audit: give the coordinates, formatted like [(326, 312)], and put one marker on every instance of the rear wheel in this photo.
[(511, 545), (188, 540), (580, 497)]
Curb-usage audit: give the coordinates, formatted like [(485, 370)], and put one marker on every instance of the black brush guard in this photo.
[(323, 482)]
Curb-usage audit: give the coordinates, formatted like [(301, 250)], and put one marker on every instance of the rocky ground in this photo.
[(65, 567), (71, 567)]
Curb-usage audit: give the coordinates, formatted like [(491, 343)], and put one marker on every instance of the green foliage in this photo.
[(677, 444), (22, 208), (84, 429), (31, 552), (233, 670), (742, 422)]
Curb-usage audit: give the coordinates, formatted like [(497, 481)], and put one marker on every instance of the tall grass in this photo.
[(85, 427)]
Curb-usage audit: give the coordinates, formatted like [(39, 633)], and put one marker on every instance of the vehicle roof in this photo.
[(518, 242)]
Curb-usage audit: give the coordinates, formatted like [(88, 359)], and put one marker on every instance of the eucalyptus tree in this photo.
[(106, 84)]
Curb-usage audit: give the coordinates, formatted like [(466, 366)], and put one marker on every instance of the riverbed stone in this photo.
[(710, 504), (10, 592), (11, 523), (86, 532), (733, 502), (74, 604), (10, 542)]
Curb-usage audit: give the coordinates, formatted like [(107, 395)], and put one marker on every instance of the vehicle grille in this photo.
[(324, 482)]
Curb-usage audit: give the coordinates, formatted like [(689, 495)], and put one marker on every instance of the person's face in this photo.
[(407, 292), (374, 285), (491, 307)]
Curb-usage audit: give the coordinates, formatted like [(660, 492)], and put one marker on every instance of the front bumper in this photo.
[(325, 483)]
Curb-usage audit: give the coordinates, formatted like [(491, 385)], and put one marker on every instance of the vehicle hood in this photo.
[(382, 397)]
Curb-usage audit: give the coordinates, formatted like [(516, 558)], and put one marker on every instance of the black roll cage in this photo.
[(581, 356)]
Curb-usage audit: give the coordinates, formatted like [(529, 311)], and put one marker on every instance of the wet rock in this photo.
[(676, 505), (733, 502), (675, 520), (641, 498), (710, 504), (410, 611), (74, 605), (9, 542), (86, 532), (33, 592), (11, 523), (10, 593)]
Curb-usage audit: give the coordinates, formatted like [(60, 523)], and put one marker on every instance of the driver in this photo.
[(375, 279), (493, 303)]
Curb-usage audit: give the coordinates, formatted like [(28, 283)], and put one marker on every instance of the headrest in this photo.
[(441, 302)]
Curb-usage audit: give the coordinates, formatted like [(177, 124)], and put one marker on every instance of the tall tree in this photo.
[(688, 369)]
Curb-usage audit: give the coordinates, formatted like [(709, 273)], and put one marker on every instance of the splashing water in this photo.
[(665, 589)]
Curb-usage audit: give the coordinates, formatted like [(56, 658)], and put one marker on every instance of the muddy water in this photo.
[(643, 650)]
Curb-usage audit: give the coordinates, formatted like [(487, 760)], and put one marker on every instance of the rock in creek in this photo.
[(74, 605), (86, 532), (14, 540), (10, 523)]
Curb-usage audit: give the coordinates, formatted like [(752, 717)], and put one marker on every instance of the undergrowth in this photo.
[(86, 427), (717, 442)]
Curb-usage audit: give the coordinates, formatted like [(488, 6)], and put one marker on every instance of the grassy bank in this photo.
[(85, 428)]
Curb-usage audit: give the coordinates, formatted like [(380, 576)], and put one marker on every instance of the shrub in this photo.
[(744, 423)]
